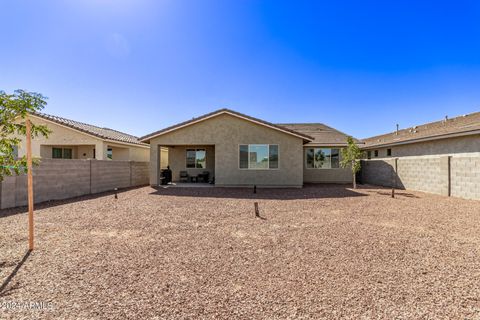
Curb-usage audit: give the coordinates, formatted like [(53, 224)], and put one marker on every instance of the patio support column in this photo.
[(154, 164), (101, 150)]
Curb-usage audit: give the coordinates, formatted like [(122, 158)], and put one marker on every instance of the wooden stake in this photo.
[(30, 184), (257, 212), (393, 192)]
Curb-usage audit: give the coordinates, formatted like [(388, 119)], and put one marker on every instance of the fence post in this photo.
[(445, 174), (90, 171)]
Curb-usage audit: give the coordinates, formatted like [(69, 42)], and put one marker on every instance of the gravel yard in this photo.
[(188, 253)]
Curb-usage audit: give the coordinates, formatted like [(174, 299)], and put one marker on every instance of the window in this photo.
[(389, 152), (369, 154), (15, 152), (196, 158), (375, 153), (335, 158), (110, 153), (67, 153), (59, 153), (322, 158), (258, 156), (273, 156), (244, 156)]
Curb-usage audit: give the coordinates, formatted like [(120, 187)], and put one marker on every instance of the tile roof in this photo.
[(434, 130), (321, 134), (228, 111), (103, 133)]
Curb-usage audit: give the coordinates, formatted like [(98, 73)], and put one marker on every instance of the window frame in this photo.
[(314, 148), (195, 149), (248, 156), (53, 153), (71, 153), (62, 153)]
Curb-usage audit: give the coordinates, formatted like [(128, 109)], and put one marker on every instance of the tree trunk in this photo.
[(354, 175)]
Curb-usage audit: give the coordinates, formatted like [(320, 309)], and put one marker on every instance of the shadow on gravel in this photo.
[(310, 191), (5, 283), (53, 203), (401, 194)]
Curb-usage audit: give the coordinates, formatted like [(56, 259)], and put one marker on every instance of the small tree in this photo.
[(12, 108), (351, 156)]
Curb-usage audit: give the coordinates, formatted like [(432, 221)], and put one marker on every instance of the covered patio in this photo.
[(189, 165)]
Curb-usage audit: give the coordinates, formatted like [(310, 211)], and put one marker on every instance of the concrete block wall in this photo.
[(378, 172), (107, 175), (422, 174), (457, 176), (465, 177), (56, 179), (139, 173)]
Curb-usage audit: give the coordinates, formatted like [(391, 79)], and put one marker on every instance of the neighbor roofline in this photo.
[(217, 113), (339, 144), (140, 144), (423, 139)]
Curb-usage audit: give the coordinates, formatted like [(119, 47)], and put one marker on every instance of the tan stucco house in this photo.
[(239, 150), (441, 157), (71, 139)]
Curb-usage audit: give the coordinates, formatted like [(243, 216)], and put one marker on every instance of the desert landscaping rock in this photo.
[(321, 252)]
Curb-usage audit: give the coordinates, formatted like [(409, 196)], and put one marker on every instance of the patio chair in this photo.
[(204, 176), (183, 176)]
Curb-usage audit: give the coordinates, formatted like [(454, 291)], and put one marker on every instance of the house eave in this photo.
[(431, 138)]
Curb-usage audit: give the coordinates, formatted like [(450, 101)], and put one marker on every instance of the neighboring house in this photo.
[(239, 150), (441, 157), (75, 140), (446, 137)]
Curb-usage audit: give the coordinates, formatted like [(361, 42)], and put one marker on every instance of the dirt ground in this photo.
[(323, 252)]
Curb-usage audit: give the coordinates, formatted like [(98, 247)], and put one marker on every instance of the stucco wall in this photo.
[(60, 136), (163, 158), (128, 152), (226, 132), (449, 146), (338, 175), (56, 179)]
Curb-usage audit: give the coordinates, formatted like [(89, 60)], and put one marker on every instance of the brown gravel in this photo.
[(319, 252)]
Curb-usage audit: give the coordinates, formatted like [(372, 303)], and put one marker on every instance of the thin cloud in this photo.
[(118, 46)]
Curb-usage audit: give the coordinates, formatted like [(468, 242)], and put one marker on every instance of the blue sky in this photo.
[(140, 65)]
